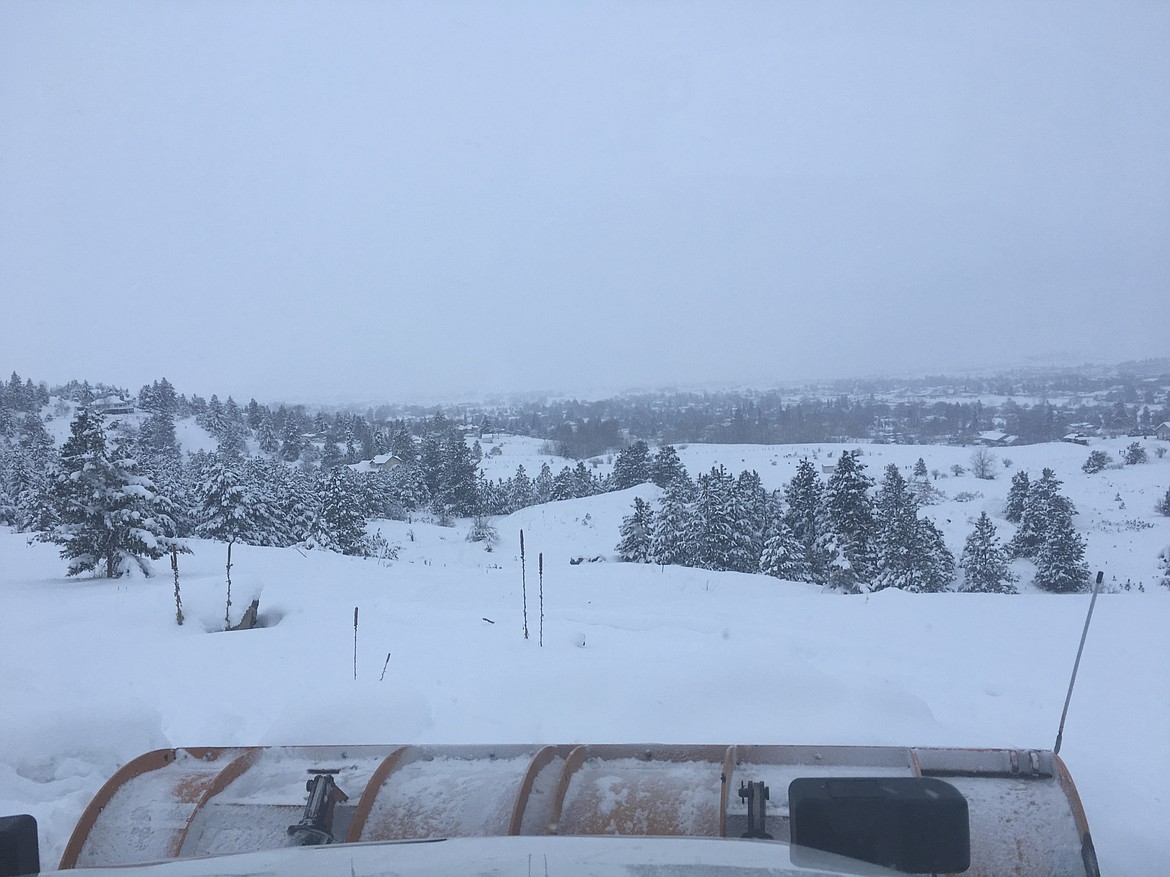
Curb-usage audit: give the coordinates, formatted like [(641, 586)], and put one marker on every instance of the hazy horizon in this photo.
[(410, 201)]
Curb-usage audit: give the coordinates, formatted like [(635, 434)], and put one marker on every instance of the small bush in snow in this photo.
[(1097, 461), (968, 496), (1163, 506), (1135, 454), (483, 531)]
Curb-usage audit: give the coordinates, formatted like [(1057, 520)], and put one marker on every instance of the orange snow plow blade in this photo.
[(1025, 816)]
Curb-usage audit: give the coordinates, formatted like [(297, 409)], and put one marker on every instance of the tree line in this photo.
[(850, 533)]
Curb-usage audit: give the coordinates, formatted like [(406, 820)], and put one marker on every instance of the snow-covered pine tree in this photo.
[(672, 525), (805, 497), (1164, 564), (26, 477), (340, 525), (522, 493), (665, 467), (584, 484), (849, 514), (936, 562), (1017, 497), (1044, 508), (634, 546), (231, 508), (896, 543), (266, 433), (985, 562), (750, 509), (718, 544), (564, 485), (460, 478), (632, 466), (1060, 562), (331, 455), (409, 486), (784, 556), (109, 517), (292, 492), (543, 483)]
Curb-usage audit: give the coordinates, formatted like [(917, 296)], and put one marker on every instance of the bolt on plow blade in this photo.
[(1025, 817)]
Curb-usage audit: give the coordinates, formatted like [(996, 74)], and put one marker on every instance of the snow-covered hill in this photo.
[(96, 671)]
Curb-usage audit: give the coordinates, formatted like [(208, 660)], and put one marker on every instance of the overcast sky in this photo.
[(316, 200)]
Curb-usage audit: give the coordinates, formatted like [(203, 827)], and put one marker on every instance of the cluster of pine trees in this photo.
[(1046, 533), (840, 534)]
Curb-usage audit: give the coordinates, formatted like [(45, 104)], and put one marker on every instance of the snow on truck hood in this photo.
[(519, 856)]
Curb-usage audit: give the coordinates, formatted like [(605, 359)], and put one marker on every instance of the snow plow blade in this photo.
[(1024, 813)]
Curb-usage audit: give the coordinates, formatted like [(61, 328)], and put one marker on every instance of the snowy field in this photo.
[(96, 672)]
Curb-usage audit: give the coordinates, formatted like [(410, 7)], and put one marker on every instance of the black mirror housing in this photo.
[(918, 825)]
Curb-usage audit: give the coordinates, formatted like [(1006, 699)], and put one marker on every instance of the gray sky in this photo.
[(393, 200)]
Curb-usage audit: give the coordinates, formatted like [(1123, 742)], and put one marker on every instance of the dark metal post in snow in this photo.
[(355, 616), (523, 585), (1077, 663), (540, 569)]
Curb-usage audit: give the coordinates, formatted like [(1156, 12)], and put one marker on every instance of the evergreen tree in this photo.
[(1134, 454), (26, 478), (564, 485), (459, 478), (849, 516), (543, 485), (340, 525), (720, 544), (632, 466), (805, 496), (108, 514), (985, 561), (671, 526), (522, 493), (898, 564), (1044, 509), (584, 484), (1060, 562), (409, 486), (634, 546), (266, 434), (750, 510), (784, 556), (292, 443), (231, 508), (292, 493), (1097, 461), (402, 445), (937, 564), (1017, 497), (331, 455), (666, 466)]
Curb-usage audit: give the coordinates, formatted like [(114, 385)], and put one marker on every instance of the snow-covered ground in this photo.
[(94, 672)]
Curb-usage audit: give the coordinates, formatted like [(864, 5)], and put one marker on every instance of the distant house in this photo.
[(380, 463), (1076, 438), (112, 405), (996, 438), (1162, 431)]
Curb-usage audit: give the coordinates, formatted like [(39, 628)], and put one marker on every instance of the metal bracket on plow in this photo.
[(316, 826), (755, 794)]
